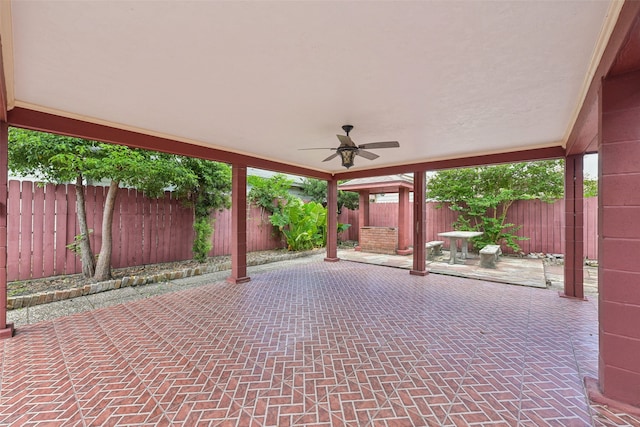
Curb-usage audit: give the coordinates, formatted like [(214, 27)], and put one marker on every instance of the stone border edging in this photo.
[(24, 301)]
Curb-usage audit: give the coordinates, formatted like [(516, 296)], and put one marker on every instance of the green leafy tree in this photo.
[(316, 190), (590, 187), (483, 195), (206, 186), (61, 159), (271, 194)]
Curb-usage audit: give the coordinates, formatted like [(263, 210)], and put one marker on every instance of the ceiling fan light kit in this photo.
[(348, 154), (348, 150)]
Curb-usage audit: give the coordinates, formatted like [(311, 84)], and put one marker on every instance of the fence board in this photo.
[(172, 228), (49, 231), (134, 227), (120, 239), (163, 218), (69, 255), (26, 228), (221, 243), (13, 230), (61, 228), (187, 234), (590, 237), (37, 260), (137, 244), (147, 252)]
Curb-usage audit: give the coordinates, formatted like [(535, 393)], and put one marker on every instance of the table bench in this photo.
[(434, 248), (463, 236), (489, 255)]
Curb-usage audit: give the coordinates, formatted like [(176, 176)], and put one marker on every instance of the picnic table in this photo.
[(463, 236)]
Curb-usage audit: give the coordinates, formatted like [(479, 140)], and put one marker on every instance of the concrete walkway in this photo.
[(514, 271), (510, 270)]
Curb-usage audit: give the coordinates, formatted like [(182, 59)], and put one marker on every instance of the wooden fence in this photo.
[(542, 223), (42, 222)]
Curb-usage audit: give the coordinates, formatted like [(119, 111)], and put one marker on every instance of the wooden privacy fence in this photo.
[(42, 222), (542, 223)]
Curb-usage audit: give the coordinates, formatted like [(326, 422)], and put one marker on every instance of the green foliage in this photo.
[(590, 188), (202, 243), (61, 159), (303, 225), (316, 190), (271, 194), (483, 195), (77, 239), (343, 227), (205, 185)]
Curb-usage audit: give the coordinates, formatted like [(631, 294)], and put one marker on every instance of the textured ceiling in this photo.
[(445, 79)]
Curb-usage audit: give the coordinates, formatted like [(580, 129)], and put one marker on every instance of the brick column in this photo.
[(238, 224), (363, 208), (6, 329), (363, 215), (419, 224), (403, 222), (574, 227), (332, 221), (619, 243)]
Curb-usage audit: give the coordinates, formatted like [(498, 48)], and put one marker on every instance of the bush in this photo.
[(303, 225), (202, 241)]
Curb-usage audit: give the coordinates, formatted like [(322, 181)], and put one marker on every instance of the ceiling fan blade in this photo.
[(385, 144), (316, 148), (333, 156), (367, 154), (346, 140)]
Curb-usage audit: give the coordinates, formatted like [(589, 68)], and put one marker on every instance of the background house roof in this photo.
[(379, 184)]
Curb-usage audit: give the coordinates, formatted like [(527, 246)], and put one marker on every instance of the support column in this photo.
[(403, 222), (419, 224), (363, 213), (238, 225), (332, 221), (6, 329), (574, 227), (619, 245)]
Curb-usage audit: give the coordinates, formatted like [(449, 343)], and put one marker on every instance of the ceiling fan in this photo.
[(347, 149)]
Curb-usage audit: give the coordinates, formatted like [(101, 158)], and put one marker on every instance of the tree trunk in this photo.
[(103, 266), (86, 254)]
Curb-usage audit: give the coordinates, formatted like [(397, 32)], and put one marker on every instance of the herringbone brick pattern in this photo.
[(321, 344)]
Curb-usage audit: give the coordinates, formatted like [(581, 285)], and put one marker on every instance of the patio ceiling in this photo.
[(445, 79)]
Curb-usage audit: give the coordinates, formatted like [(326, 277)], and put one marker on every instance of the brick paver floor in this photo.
[(314, 344)]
